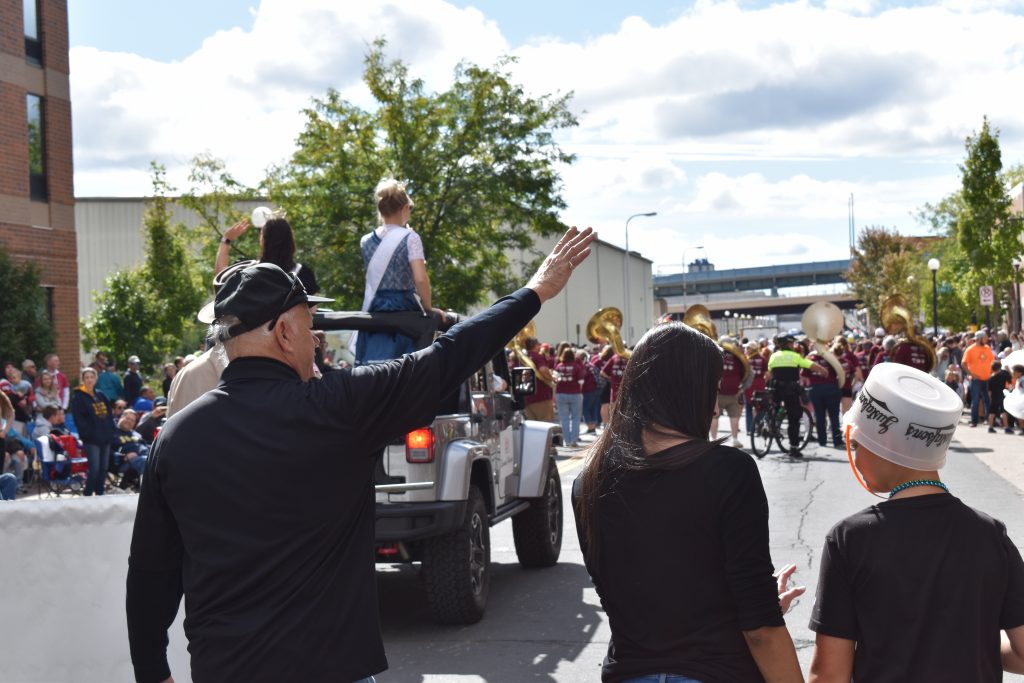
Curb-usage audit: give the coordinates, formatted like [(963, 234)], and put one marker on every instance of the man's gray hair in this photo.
[(222, 331)]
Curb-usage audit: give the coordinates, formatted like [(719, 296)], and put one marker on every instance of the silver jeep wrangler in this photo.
[(441, 488)]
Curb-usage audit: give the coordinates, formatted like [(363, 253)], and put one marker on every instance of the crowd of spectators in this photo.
[(112, 417)]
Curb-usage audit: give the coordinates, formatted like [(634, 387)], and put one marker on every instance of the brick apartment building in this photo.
[(37, 213)]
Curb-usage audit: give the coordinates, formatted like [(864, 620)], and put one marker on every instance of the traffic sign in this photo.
[(987, 295)]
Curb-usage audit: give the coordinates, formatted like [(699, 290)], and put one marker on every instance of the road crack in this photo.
[(801, 543)]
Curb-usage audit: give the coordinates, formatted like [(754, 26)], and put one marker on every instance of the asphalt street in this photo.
[(547, 624)]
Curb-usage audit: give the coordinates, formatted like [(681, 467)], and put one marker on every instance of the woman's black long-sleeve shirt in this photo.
[(683, 568), (279, 580)]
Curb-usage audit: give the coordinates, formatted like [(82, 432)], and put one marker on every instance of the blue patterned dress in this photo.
[(396, 293)]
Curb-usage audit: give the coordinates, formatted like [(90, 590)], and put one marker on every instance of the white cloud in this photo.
[(850, 82), (241, 93)]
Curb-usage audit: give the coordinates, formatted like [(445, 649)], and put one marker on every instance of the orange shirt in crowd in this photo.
[(978, 360)]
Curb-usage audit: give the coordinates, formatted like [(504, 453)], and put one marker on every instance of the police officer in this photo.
[(784, 367), (279, 581)]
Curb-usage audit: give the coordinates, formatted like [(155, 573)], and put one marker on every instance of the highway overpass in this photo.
[(703, 279)]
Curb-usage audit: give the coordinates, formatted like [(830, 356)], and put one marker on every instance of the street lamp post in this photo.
[(625, 272), (933, 265), (1019, 318), (685, 249)]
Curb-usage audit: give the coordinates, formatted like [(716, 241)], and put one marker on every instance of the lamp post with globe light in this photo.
[(684, 273), (933, 265), (625, 273), (1019, 318)]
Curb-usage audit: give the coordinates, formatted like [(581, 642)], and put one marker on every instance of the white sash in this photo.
[(378, 264), (376, 268)]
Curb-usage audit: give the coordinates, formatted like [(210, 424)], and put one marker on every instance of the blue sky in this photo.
[(746, 125), (175, 30)]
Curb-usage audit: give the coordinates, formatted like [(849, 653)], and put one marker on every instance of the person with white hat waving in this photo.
[(919, 587)]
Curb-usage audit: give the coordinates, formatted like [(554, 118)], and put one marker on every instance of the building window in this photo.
[(33, 48), (49, 302), (36, 148)]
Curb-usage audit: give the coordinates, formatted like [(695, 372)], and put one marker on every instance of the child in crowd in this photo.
[(998, 381), (919, 587), (953, 381)]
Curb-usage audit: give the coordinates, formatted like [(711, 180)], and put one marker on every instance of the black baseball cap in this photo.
[(260, 294)]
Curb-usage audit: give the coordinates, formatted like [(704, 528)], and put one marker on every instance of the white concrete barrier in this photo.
[(63, 565)]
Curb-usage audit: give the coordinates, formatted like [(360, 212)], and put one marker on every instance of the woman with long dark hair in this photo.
[(277, 246), (674, 530)]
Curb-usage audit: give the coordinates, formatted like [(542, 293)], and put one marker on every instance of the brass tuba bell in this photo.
[(821, 322), (699, 318), (518, 344), (604, 326), (896, 319)]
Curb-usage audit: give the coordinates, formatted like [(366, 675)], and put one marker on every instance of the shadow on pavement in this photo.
[(535, 620), (786, 459)]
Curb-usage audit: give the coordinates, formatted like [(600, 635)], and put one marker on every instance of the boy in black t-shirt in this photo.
[(919, 587), (996, 383)]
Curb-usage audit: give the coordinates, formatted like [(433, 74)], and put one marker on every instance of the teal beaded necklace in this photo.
[(918, 482)]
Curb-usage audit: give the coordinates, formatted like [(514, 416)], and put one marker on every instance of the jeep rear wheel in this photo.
[(537, 530), (457, 567)]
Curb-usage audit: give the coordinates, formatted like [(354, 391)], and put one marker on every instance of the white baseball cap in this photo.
[(905, 416)]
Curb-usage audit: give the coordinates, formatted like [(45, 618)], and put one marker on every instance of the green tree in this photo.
[(213, 195), (885, 263), (121, 323), (480, 159), (168, 269), (986, 236), (1013, 176), (982, 236), (150, 311), (25, 329)]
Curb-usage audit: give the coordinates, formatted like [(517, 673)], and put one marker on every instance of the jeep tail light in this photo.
[(419, 445)]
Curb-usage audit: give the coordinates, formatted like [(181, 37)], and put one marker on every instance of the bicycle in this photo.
[(771, 424)]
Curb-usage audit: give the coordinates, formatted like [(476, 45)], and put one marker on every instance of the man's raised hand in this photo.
[(554, 273)]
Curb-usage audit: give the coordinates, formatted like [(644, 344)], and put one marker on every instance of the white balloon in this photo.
[(260, 216)]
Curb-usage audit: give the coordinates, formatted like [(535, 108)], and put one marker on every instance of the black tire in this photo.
[(762, 434), (457, 567), (537, 530), (806, 430)]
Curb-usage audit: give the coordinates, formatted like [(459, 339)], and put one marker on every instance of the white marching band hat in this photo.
[(905, 416)]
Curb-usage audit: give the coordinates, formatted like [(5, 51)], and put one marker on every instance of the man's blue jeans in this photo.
[(99, 462), (662, 678), (826, 398), (979, 392)]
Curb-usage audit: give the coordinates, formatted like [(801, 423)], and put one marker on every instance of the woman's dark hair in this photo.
[(606, 352), (670, 383), (568, 355), (278, 244)]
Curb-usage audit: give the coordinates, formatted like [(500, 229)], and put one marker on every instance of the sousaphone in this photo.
[(822, 321), (518, 344), (897, 320), (605, 327), (699, 318)]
